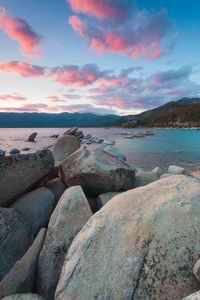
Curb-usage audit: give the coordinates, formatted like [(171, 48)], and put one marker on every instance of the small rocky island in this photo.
[(81, 223)]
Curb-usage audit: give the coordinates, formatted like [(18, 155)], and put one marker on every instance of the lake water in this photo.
[(148, 152)]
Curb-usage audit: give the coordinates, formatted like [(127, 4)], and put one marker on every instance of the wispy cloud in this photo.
[(12, 97), (122, 28), (24, 69), (19, 30)]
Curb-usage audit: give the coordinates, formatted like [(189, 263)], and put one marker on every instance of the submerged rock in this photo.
[(32, 137), (20, 173), (14, 151), (140, 245), (175, 170), (15, 238), (88, 137), (64, 146), (69, 216), (138, 134), (97, 172), (114, 152), (21, 278), (158, 171), (26, 149), (108, 140), (131, 136), (2, 153), (148, 132)]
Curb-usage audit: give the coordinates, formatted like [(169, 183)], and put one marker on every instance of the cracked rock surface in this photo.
[(141, 245)]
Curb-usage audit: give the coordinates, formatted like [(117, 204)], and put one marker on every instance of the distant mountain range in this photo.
[(181, 113), (34, 120)]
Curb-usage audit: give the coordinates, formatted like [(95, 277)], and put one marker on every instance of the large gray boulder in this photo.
[(15, 238), (57, 187), (22, 172), (141, 245), (64, 146), (37, 206), (26, 296), (69, 216), (21, 278), (97, 172)]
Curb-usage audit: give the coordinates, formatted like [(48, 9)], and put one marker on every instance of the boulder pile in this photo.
[(94, 227)]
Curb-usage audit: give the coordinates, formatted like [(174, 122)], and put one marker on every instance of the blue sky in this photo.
[(105, 56)]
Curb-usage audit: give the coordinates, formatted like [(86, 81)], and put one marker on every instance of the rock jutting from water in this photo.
[(64, 146), (32, 137)]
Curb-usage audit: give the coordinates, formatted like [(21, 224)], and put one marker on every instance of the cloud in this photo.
[(87, 108), (40, 107), (55, 99), (171, 76), (24, 69), (108, 91), (123, 29), (71, 96), (102, 9), (75, 75), (12, 97), (19, 30), (128, 92)]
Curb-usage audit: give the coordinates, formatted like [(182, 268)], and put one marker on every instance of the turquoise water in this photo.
[(148, 152)]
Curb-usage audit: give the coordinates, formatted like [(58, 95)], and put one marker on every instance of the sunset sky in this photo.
[(100, 56)]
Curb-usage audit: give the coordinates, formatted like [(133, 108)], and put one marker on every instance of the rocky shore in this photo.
[(81, 223)]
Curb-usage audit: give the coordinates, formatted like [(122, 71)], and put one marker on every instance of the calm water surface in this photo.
[(148, 152)]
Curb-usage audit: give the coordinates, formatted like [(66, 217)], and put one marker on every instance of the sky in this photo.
[(100, 56)]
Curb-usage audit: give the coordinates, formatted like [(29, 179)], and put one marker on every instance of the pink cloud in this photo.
[(78, 76), (24, 69), (55, 99), (19, 30), (78, 25), (101, 9), (12, 97), (142, 37)]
